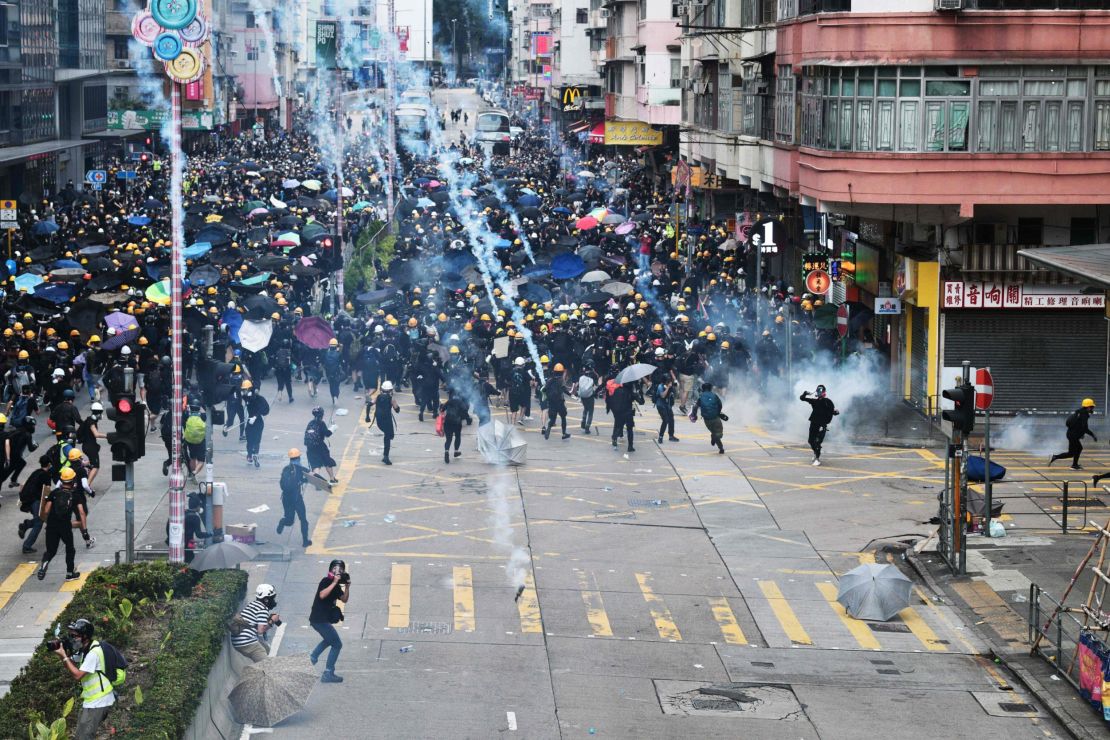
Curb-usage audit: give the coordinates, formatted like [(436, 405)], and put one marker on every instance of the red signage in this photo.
[(818, 282), (959, 294), (403, 38), (984, 388), (842, 320), (195, 90)]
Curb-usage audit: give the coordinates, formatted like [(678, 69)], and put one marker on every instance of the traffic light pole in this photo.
[(988, 498), (209, 452), (961, 491), (129, 511)]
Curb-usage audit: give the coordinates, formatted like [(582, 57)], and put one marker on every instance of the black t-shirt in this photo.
[(322, 608)]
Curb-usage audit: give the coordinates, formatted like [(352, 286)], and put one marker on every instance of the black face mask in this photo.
[(270, 602)]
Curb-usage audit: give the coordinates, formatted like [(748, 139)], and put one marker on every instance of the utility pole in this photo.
[(391, 122), (454, 49), (129, 479), (209, 452)]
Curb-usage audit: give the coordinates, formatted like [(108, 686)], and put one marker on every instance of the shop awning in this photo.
[(19, 153), (1089, 263), (597, 133), (579, 127)]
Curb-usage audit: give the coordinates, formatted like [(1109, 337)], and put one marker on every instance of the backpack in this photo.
[(710, 405), (290, 479), (115, 665), (283, 360), (19, 411), (312, 436), (586, 386), (195, 430), (62, 509)]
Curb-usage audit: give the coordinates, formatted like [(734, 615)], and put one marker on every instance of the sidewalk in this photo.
[(995, 592)]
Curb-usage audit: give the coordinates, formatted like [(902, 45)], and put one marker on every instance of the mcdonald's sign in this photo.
[(572, 99)]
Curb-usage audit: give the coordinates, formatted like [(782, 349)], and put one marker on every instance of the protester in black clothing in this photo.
[(87, 435), (556, 402), (325, 614), (822, 411), (620, 405), (257, 408), (292, 497), (57, 511), (316, 444), (664, 393), (385, 405), (30, 498), (1077, 425), (455, 411), (17, 443)]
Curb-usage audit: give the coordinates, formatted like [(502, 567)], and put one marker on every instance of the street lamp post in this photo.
[(454, 53)]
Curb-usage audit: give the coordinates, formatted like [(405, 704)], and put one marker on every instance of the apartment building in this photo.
[(920, 145)]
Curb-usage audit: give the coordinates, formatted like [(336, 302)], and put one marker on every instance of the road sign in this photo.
[(97, 186), (7, 210), (818, 282), (984, 388), (12, 225), (126, 175), (96, 176), (842, 320)]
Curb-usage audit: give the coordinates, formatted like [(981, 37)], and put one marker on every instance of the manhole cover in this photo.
[(888, 627), (1088, 502), (1004, 704), (758, 701), (1016, 706)]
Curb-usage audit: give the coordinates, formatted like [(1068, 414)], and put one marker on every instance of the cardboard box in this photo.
[(241, 532)]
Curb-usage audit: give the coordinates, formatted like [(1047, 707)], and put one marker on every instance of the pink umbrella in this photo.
[(259, 212), (626, 227), (314, 332), (283, 243), (586, 223), (433, 184)]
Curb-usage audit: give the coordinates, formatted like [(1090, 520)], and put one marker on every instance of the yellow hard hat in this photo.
[(413, 322), (94, 339), (24, 354), (333, 342), (275, 316), (63, 344), (67, 474), (74, 454), (544, 359), (3, 419), (454, 350), (1088, 403), (725, 344), (294, 452), (558, 367), (711, 337), (29, 334), (246, 385), (442, 317), (51, 331), (484, 317), (8, 332), (18, 326)]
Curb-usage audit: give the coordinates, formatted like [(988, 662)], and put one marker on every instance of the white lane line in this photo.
[(511, 717)]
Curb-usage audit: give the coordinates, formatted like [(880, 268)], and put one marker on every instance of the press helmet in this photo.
[(265, 591)]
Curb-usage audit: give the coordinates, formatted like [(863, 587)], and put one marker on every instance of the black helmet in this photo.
[(340, 563), (318, 412), (820, 390), (82, 627)]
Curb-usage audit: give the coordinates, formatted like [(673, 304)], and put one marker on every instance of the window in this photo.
[(119, 49), (1030, 231), (784, 104), (676, 72), (1084, 231), (251, 22), (581, 15), (676, 10), (252, 51)]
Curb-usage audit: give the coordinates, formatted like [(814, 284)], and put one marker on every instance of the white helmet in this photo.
[(387, 385), (659, 351), (630, 307), (125, 350), (96, 407), (379, 329), (265, 591), (518, 361), (58, 372)]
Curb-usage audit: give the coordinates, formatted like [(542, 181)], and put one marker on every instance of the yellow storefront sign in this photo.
[(632, 133)]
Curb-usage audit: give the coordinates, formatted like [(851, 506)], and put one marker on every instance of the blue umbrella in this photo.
[(233, 319), (502, 244), (534, 293), (158, 269), (537, 270), (196, 251), (425, 203), (566, 266), (138, 220), (561, 210), (153, 204), (55, 292), (27, 281), (44, 228), (59, 264), (332, 195), (528, 200)]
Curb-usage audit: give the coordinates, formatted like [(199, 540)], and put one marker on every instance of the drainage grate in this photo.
[(714, 705), (426, 628), (755, 701), (761, 664), (1016, 706), (882, 662), (1088, 502), (888, 627), (889, 671), (614, 515)]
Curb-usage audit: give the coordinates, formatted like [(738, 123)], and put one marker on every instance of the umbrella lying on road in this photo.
[(632, 373), (501, 444), (226, 554), (273, 689), (874, 591)]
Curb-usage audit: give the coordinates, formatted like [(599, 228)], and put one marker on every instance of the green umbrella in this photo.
[(250, 205), (361, 205), (312, 230), (256, 279)]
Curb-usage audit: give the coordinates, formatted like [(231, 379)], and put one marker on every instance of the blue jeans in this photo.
[(32, 533), (329, 638)]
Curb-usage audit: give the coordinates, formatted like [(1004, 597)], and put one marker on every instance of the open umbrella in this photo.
[(226, 554), (152, 204), (632, 373), (376, 296), (501, 444), (123, 327), (159, 292), (613, 218), (566, 266), (874, 591), (56, 293), (586, 223), (595, 276), (535, 293), (254, 336), (290, 184), (626, 228), (204, 275), (528, 200), (617, 288), (313, 185), (273, 689), (138, 220), (196, 251), (314, 332), (68, 275), (585, 174), (259, 307), (108, 299), (94, 250), (44, 228)]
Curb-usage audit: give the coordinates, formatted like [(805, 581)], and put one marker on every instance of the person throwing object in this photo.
[(1077, 430), (821, 414)]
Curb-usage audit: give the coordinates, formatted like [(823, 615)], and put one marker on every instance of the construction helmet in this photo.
[(1088, 403), (558, 367)]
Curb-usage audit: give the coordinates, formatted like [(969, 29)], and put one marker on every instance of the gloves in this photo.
[(252, 420)]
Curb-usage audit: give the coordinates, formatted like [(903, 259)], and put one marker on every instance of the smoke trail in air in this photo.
[(266, 24), (516, 568)]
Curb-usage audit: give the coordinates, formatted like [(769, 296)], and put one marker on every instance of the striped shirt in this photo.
[(255, 613)]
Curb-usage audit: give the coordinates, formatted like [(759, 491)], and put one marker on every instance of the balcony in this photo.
[(117, 65), (619, 48), (654, 95)]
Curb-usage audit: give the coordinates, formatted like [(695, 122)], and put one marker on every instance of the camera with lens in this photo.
[(344, 578), (58, 642)]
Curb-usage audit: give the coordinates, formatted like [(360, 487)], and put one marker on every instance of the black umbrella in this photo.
[(489, 202), (153, 204), (590, 254), (195, 321), (642, 217), (404, 272), (194, 222), (99, 264), (300, 269), (259, 234), (228, 256), (105, 281), (567, 241), (215, 237), (453, 280), (290, 222), (376, 296), (530, 212), (271, 262), (595, 296), (259, 307), (41, 254), (245, 289), (440, 197), (84, 316), (205, 275), (535, 293)]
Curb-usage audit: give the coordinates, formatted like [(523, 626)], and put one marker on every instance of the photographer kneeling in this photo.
[(101, 671), (253, 622)]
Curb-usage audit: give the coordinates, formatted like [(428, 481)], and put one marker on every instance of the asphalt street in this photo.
[(669, 592)]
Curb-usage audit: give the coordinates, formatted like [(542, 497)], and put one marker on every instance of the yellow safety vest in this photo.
[(96, 685)]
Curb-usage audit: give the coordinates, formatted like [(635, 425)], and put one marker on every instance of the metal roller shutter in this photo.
[(919, 359), (1044, 361)]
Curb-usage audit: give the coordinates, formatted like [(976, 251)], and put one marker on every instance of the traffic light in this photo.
[(128, 440), (963, 416)]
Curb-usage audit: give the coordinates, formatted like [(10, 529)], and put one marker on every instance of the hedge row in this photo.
[(196, 612)]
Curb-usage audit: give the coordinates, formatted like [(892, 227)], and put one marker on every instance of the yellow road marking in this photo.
[(400, 594), (595, 607), (529, 607), (464, 598), (14, 582), (58, 602), (786, 616), (664, 622), (75, 585), (920, 630), (347, 465), (859, 629), (931, 457), (726, 620)]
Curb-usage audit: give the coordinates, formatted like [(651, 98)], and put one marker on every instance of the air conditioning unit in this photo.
[(605, 13), (639, 59), (948, 4), (698, 3)]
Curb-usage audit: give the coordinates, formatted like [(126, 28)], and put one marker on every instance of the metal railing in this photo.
[(1001, 493), (1059, 634)]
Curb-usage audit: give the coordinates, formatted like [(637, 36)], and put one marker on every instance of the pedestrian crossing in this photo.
[(794, 614)]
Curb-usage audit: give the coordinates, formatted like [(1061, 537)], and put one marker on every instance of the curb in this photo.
[(1028, 681)]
